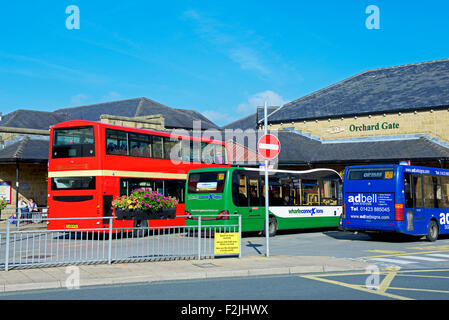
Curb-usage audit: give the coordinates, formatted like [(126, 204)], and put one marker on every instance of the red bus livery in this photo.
[(92, 163)]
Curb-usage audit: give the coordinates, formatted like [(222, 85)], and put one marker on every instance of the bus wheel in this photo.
[(272, 227), (432, 234)]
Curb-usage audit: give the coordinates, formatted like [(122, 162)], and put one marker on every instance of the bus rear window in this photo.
[(370, 173), (206, 182), (73, 183), (73, 142)]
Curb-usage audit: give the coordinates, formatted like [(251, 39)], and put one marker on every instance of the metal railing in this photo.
[(31, 244)]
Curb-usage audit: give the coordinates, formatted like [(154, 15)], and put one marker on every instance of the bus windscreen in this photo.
[(206, 182), (73, 142), (379, 173)]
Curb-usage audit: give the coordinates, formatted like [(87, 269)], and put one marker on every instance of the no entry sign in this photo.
[(269, 146)]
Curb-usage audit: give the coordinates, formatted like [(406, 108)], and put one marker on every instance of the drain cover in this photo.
[(205, 265)]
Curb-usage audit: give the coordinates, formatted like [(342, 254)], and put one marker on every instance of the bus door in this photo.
[(247, 198), (414, 204)]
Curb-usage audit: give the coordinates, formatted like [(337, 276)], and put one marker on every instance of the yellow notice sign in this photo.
[(227, 243)]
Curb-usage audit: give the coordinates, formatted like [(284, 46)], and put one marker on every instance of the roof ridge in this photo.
[(96, 104), (409, 64), (10, 119), (21, 147), (139, 107)]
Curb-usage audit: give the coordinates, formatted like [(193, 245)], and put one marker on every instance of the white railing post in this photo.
[(110, 241), (240, 236), (7, 245), (199, 238)]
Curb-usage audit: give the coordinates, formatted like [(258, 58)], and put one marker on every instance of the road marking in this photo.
[(390, 274), (421, 276), (423, 258), (360, 287), (388, 279), (402, 254), (394, 261), (386, 251), (422, 290)]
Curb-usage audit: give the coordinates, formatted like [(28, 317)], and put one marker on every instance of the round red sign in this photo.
[(269, 146)]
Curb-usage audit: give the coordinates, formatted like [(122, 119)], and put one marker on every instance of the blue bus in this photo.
[(386, 199)]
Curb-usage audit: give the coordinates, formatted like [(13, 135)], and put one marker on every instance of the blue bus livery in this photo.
[(396, 199)]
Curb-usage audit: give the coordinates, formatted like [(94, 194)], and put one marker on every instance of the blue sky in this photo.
[(222, 58)]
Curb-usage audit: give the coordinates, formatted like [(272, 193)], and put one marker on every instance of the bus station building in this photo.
[(385, 115)]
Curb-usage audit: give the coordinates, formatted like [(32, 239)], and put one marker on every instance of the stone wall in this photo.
[(431, 122), (153, 122)]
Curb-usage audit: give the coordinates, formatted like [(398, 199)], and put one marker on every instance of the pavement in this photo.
[(155, 271)]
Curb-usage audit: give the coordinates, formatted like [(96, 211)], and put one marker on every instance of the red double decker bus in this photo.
[(92, 163)]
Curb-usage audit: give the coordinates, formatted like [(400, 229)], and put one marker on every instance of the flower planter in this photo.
[(166, 213)]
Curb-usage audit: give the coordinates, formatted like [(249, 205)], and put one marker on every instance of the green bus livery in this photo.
[(297, 199)]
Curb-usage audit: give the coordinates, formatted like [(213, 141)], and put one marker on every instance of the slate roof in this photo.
[(410, 87), (30, 119), (26, 150), (174, 118)]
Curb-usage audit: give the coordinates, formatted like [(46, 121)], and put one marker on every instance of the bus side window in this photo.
[(443, 200), (254, 195), (275, 191), (158, 147), (418, 192), (310, 193), (429, 192), (329, 193), (408, 190), (239, 190)]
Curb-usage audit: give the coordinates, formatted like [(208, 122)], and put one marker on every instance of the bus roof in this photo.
[(320, 172), (77, 123), (401, 167)]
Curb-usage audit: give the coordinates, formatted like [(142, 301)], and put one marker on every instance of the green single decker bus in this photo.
[(297, 199)]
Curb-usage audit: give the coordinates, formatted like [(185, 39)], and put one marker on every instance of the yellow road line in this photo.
[(423, 290), (421, 276), (390, 274), (388, 279), (386, 251), (357, 287)]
